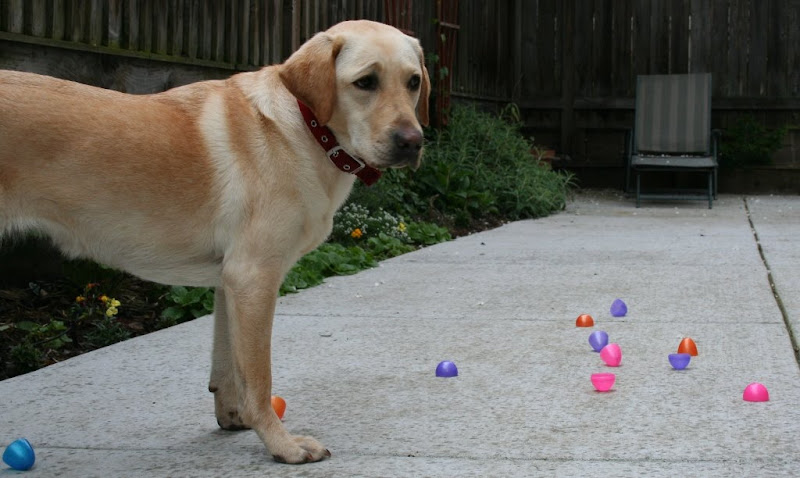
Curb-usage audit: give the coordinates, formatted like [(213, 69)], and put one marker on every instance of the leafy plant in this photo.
[(427, 234), (107, 331), (187, 303), (327, 260), (749, 143)]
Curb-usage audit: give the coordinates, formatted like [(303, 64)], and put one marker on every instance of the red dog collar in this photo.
[(338, 156)]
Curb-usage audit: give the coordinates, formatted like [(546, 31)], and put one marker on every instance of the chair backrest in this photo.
[(673, 114)]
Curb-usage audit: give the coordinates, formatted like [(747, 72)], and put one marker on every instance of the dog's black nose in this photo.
[(408, 141)]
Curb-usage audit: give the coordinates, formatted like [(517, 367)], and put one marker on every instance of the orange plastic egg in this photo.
[(584, 320), (279, 405), (688, 346)]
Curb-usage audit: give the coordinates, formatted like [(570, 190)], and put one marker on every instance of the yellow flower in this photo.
[(401, 227), (115, 303), (103, 298), (80, 299), (356, 233), (111, 311)]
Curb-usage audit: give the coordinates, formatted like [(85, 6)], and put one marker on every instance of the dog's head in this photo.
[(368, 83)]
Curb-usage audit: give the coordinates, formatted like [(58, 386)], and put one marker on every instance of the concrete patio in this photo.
[(355, 358)]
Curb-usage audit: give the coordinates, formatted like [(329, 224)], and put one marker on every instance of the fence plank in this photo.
[(700, 39), (97, 22), (133, 25), (621, 50), (80, 10), (16, 16), (602, 49), (641, 37), (219, 31), (115, 9), (757, 51), (254, 56), (179, 15), (718, 48), (193, 28), (679, 36), (146, 25), (58, 17), (38, 17), (206, 47), (162, 12), (278, 41)]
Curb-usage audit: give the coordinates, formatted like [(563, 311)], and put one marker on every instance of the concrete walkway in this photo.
[(355, 360)]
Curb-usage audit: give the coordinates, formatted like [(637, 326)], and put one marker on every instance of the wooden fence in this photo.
[(234, 34)]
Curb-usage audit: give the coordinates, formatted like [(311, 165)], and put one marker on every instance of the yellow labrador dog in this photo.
[(218, 183)]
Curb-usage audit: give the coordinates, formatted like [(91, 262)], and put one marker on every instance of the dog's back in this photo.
[(101, 171)]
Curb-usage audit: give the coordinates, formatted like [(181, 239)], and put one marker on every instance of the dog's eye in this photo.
[(368, 83), (413, 83)]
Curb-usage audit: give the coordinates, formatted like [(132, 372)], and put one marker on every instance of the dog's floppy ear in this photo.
[(424, 90), (310, 74)]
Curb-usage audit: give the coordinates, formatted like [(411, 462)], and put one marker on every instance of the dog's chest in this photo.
[(320, 213)]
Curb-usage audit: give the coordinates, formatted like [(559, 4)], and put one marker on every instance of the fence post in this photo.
[(568, 77)]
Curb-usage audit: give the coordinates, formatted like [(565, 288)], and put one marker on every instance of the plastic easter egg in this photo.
[(279, 405), (584, 320), (598, 339), (446, 369), (603, 381), (19, 455), (679, 361), (611, 355), (688, 346), (618, 308), (756, 392)]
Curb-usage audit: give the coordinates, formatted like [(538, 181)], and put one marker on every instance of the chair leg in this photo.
[(638, 188), (710, 189), (716, 183)]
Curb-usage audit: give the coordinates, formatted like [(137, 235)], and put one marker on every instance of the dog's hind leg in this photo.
[(223, 382)]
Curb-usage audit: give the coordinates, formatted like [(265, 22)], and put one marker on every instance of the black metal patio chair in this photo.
[(672, 133)]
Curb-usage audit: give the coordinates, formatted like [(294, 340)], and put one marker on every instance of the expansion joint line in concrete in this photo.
[(775, 293)]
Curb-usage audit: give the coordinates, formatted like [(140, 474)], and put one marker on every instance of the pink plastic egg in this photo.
[(611, 355), (603, 381), (756, 392)]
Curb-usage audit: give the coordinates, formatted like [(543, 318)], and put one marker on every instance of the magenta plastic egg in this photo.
[(756, 392), (603, 381), (611, 355)]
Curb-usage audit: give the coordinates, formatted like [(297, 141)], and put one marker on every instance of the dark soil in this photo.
[(43, 302)]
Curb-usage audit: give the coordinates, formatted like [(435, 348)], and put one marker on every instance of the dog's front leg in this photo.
[(250, 294), (223, 377)]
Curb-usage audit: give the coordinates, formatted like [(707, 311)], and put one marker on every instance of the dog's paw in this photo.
[(299, 450)]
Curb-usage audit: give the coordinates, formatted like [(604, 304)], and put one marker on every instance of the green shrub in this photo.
[(749, 143)]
